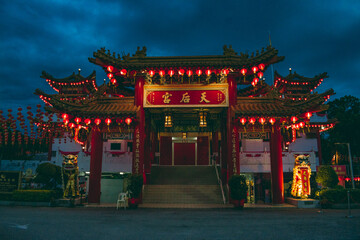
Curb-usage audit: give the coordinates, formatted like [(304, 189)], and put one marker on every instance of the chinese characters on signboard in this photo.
[(9, 181), (180, 96), (137, 151)]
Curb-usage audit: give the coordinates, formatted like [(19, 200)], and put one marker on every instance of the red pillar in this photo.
[(319, 147), (139, 131), (215, 146), (95, 166), (232, 135), (277, 178)]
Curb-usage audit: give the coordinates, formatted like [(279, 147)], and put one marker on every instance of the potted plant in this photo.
[(134, 188), (238, 190)]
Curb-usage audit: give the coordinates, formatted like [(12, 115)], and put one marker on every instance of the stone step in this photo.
[(182, 194)]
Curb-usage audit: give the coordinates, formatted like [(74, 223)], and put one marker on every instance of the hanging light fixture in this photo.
[(202, 118), (168, 120)]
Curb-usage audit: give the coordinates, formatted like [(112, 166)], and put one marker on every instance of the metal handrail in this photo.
[(220, 183)]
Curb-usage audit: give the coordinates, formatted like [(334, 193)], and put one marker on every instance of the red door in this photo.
[(165, 151), (184, 153), (202, 151)]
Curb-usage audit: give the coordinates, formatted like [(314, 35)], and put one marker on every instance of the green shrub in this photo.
[(33, 195), (238, 187), (5, 196), (327, 177), (49, 175), (339, 195)]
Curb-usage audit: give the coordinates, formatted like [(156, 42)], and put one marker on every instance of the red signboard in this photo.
[(339, 169), (186, 96)]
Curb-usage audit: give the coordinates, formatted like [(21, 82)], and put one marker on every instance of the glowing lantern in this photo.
[(161, 73), (151, 73), (243, 71), (110, 75), (110, 68), (262, 120), (261, 66), (72, 125), (87, 121), (181, 72), (260, 74), (77, 120), (272, 121), (208, 72), (294, 119), (198, 72), (308, 115), (123, 72), (302, 124), (128, 121), (189, 73), (113, 81), (225, 72), (97, 121), (252, 120), (256, 80), (243, 121), (171, 72), (65, 116), (66, 121), (108, 121), (254, 69), (253, 83)]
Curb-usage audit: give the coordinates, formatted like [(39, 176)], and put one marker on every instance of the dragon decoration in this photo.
[(70, 171), (301, 177)]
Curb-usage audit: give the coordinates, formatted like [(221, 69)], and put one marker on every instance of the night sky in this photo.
[(59, 36)]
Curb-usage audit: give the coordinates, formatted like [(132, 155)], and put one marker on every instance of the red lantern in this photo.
[(208, 72), (272, 121), (65, 116), (256, 80), (110, 75), (113, 81), (189, 73), (123, 72), (243, 121), (260, 74), (110, 68), (161, 73), (302, 124), (252, 120), (225, 72), (171, 72), (294, 119), (262, 120), (253, 83), (71, 125), (66, 121), (181, 72), (151, 73), (254, 69), (198, 72), (108, 121), (77, 120), (243, 71), (308, 115), (97, 121), (128, 121), (261, 66), (87, 121)]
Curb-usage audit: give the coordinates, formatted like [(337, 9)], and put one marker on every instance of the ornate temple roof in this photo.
[(73, 84), (295, 86), (272, 105)]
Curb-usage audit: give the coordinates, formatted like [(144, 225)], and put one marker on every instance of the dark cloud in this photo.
[(59, 36)]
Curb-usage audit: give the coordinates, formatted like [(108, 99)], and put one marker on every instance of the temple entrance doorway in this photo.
[(184, 153)]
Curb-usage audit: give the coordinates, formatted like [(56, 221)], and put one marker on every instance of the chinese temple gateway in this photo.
[(189, 110)]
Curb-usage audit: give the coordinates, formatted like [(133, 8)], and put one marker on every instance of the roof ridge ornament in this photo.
[(140, 53), (229, 51)]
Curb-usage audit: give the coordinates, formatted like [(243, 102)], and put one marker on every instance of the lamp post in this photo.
[(351, 165)]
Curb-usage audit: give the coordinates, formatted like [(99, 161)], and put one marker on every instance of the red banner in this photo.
[(305, 180), (186, 96)]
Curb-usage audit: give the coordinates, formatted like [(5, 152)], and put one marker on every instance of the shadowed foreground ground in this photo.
[(107, 223)]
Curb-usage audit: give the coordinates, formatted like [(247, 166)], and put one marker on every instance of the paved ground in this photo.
[(107, 223)]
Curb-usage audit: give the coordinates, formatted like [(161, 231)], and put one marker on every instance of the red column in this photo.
[(95, 166), (277, 178), (139, 131), (215, 146), (232, 135), (319, 146)]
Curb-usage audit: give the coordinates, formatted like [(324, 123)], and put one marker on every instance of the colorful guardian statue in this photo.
[(71, 170), (301, 177)]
